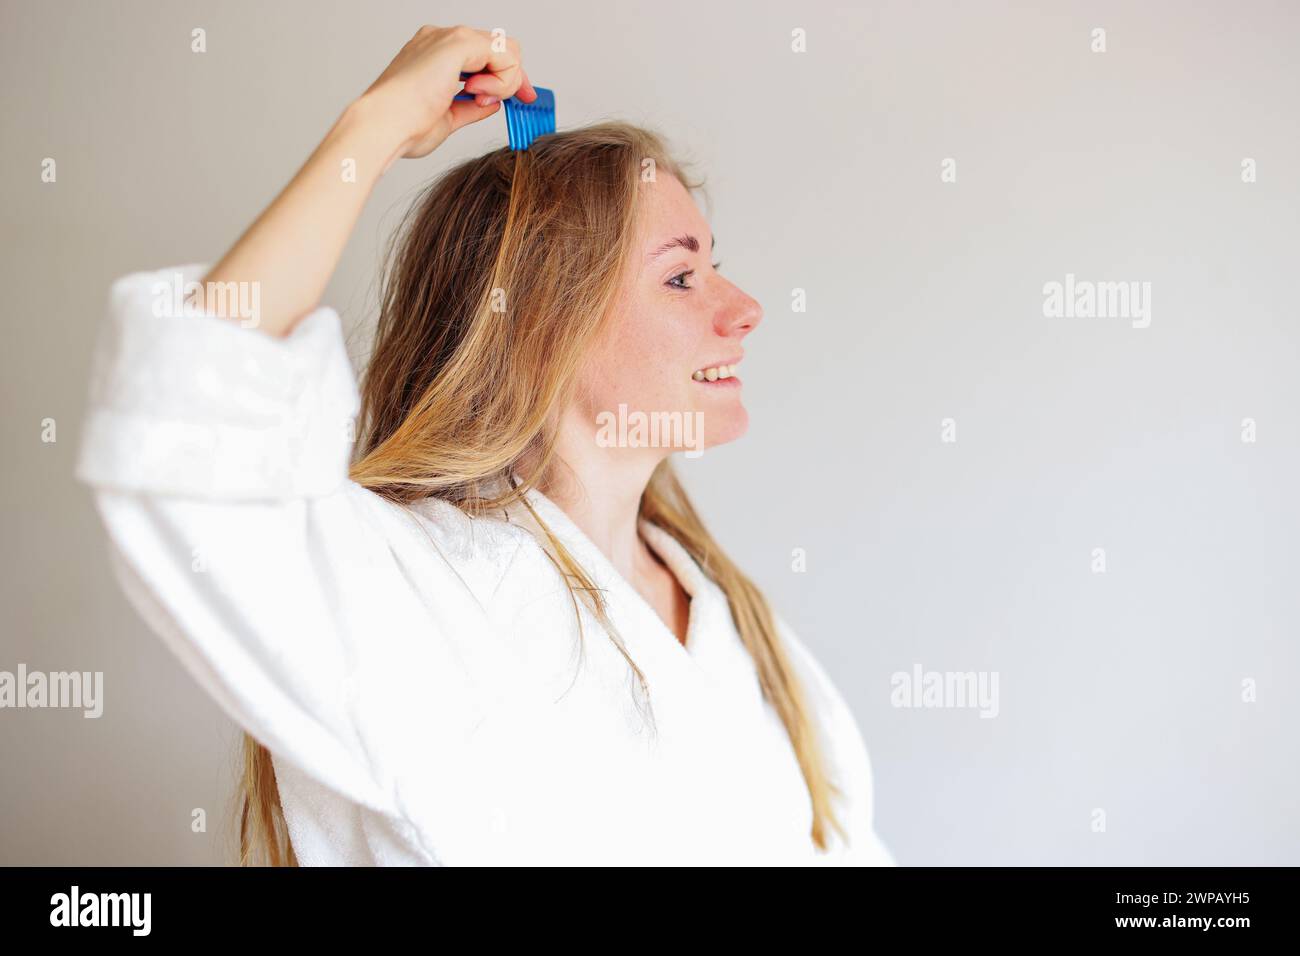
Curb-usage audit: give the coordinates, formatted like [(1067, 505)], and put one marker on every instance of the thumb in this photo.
[(464, 112)]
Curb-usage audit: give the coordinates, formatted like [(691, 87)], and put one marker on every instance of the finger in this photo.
[(526, 91), (464, 112), (489, 84), (497, 72), (476, 85), (482, 99)]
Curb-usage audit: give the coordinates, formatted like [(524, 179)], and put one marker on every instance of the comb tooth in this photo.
[(526, 121)]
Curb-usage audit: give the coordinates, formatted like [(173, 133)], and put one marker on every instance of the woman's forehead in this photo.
[(670, 214)]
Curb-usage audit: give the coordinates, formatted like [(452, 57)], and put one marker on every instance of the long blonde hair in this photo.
[(460, 403)]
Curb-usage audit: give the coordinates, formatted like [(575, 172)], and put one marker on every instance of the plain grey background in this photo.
[(1119, 691)]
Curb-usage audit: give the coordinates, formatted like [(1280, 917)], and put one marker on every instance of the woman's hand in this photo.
[(416, 92)]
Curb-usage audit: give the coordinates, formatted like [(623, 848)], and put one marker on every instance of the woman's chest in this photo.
[(584, 782), (517, 729), (568, 758)]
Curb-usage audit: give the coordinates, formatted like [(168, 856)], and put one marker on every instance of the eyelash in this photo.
[(681, 275)]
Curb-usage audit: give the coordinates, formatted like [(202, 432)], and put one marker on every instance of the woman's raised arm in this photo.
[(289, 253)]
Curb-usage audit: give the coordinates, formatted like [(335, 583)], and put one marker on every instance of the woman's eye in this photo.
[(684, 275), (673, 282)]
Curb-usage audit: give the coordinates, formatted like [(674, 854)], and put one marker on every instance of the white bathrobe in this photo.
[(419, 676)]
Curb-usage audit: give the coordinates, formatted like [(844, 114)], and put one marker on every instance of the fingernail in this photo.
[(489, 100)]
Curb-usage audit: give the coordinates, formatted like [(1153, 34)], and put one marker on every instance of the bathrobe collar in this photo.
[(709, 611)]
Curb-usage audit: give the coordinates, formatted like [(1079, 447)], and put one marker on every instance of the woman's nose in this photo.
[(743, 315)]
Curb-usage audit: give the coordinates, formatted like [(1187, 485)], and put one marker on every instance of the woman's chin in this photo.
[(723, 426)]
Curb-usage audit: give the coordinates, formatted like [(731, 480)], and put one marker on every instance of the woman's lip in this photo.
[(731, 361)]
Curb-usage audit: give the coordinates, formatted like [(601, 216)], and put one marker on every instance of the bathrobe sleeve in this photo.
[(218, 456), (851, 765)]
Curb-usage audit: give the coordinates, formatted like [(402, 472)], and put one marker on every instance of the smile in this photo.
[(717, 375)]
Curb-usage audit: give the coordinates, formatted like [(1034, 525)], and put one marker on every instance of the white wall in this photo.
[(1120, 691)]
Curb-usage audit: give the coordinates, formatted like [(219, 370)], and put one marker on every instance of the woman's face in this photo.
[(676, 316)]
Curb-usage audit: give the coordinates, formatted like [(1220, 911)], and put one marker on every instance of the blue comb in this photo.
[(524, 121)]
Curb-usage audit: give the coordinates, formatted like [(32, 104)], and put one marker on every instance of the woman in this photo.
[(497, 638)]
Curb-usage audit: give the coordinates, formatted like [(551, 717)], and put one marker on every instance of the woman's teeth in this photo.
[(713, 373)]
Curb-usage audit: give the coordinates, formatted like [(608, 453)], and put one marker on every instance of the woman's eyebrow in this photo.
[(687, 242)]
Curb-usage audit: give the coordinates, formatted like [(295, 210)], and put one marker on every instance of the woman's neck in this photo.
[(600, 489)]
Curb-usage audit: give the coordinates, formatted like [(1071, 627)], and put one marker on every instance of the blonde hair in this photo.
[(461, 404)]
